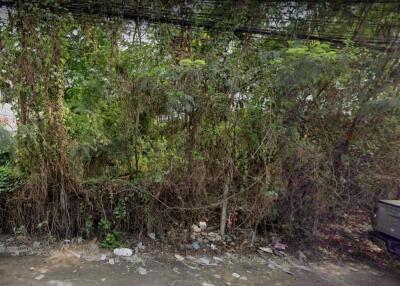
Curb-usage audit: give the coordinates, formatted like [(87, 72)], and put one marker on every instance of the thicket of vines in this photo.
[(128, 125)]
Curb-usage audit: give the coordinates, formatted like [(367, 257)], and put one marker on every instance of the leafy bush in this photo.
[(112, 240), (9, 181), (7, 146)]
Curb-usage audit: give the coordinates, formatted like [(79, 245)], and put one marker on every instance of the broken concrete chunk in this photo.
[(179, 257), (40, 277), (236, 275), (123, 252), (203, 225), (218, 259), (141, 271)]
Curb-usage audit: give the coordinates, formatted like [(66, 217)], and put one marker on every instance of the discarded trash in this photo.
[(213, 236), (123, 251), (236, 275), (195, 245), (103, 257), (217, 276), (152, 235), (203, 225), (40, 277), (179, 257), (244, 278), (175, 269), (103, 279), (266, 249), (204, 261), (36, 244), (213, 247), (207, 284), (280, 246), (111, 261), (195, 228), (32, 268), (141, 271)]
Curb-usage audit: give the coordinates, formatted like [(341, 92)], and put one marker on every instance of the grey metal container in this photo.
[(387, 218)]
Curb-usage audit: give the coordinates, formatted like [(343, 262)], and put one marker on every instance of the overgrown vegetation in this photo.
[(130, 126)]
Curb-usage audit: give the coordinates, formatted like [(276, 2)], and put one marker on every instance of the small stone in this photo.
[(203, 225), (236, 275), (207, 284), (36, 244), (218, 259), (103, 257), (243, 278), (217, 276), (111, 261), (266, 249), (32, 268), (179, 257), (213, 247), (103, 279), (123, 252), (152, 235), (195, 228), (212, 236), (140, 245), (141, 271), (40, 277), (203, 261)]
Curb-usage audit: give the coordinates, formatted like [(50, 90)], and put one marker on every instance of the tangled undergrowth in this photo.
[(134, 127)]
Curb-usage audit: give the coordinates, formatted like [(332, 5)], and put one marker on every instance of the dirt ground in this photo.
[(344, 256), (60, 269)]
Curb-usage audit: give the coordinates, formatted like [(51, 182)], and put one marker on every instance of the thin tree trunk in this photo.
[(224, 208)]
